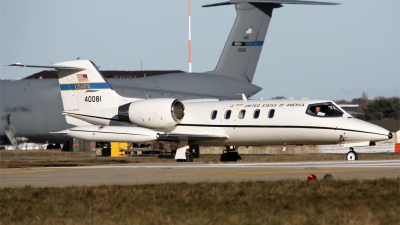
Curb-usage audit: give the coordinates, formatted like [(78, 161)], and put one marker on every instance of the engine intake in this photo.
[(153, 113)]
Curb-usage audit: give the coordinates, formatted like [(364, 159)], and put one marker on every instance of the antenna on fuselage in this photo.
[(243, 96)]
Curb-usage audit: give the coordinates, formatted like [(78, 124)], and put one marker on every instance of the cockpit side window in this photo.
[(325, 109)]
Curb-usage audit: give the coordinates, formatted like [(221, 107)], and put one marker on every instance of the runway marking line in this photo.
[(33, 171), (267, 172), (218, 173)]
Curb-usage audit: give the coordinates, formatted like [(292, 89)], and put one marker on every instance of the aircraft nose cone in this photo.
[(368, 131), (383, 132)]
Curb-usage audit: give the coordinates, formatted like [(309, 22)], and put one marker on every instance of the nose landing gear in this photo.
[(352, 155)]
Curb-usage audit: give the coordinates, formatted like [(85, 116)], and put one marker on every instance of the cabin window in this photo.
[(271, 113), (256, 114), (325, 109), (214, 114), (228, 114), (242, 113)]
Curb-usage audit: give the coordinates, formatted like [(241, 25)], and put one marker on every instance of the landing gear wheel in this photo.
[(189, 157), (224, 157), (352, 155)]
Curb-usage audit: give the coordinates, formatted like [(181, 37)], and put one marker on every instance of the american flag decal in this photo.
[(82, 77), (249, 31)]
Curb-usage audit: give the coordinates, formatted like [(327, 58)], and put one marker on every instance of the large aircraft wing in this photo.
[(293, 2), (57, 67), (272, 2)]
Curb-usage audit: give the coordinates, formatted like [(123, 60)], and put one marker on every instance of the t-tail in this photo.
[(84, 87), (87, 97), (242, 50)]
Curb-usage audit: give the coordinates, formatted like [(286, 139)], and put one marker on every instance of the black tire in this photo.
[(189, 157), (352, 155), (356, 155), (232, 157), (224, 157), (50, 146)]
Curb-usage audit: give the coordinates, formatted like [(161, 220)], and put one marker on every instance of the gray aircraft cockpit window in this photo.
[(325, 109), (214, 114), (228, 114)]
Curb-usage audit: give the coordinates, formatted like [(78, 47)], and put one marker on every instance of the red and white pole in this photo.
[(190, 41)]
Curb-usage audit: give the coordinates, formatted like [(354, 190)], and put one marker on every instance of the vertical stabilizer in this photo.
[(242, 50), (84, 88)]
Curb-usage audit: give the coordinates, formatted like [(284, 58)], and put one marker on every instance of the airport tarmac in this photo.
[(149, 173)]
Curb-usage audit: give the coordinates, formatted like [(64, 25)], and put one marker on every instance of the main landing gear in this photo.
[(182, 154), (189, 157), (352, 155), (230, 154)]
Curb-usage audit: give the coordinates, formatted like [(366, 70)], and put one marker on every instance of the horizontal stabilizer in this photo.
[(57, 67), (272, 2)]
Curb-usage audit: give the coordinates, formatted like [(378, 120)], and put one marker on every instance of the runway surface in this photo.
[(148, 173)]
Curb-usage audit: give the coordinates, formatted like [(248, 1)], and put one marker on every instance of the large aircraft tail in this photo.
[(242, 50)]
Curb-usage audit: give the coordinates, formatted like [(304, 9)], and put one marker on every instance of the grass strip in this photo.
[(267, 202)]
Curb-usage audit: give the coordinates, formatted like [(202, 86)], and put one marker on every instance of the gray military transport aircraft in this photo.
[(33, 108)]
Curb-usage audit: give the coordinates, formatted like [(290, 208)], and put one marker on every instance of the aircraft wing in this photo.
[(293, 2), (273, 2), (177, 137), (59, 67)]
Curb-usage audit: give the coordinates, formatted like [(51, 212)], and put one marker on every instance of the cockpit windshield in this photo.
[(325, 109)]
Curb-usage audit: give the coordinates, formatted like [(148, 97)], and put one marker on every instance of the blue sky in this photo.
[(324, 52)]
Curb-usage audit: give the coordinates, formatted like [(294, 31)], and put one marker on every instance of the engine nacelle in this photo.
[(153, 113)]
